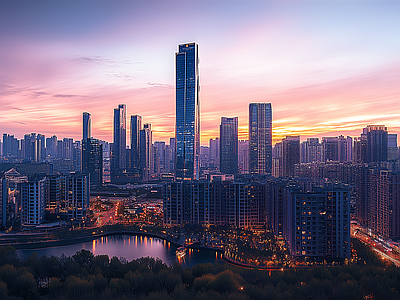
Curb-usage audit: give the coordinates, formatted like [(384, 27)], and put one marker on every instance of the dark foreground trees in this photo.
[(85, 276)]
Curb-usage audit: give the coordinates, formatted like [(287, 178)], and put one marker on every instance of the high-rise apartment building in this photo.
[(33, 201), (290, 155), (228, 133), (260, 136), (377, 143), (10, 146), (187, 129), (118, 159), (75, 196), (86, 126)]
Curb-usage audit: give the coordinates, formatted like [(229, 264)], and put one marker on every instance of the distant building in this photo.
[(243, 156), (228, 131), (92, 161), (118, 157), (377, 143), (214, 145), (3, 200), (393, 150), (290, 155), (146, 152), (136, 126), (86, 126)]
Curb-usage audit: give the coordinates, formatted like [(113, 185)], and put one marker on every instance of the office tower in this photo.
[(92, 161), (187, 129), (146, 152), (106, 160), (290, 155), (159, 157), (118, 158), (243, 163), (86, 126), (75, 197), (136, 126), (33, 195), (260, 136), (228, 134), (214, 145), (377, 143), (393, 150)]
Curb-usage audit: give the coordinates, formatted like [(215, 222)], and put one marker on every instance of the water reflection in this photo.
[(131, 247)]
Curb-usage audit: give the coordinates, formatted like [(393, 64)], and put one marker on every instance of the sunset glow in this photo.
[(327, 67)]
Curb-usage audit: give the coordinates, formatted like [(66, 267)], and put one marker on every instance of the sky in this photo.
[(328, 67)]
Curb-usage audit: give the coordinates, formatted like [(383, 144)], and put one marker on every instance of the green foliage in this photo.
[(3, 290), (86, 276)]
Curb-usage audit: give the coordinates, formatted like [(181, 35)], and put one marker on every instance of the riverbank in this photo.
[(83, 239)]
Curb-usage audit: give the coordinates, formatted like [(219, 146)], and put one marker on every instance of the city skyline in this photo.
[(327, 68)]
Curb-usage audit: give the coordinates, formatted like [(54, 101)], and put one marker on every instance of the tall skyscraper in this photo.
[(136, 126), (118, 161), (92, 161), (86, 126), (260, 135), (146, 152), (377, 143), (228, 132), (187, 130)]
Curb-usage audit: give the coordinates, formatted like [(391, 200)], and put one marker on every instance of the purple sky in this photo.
[(327, 67)]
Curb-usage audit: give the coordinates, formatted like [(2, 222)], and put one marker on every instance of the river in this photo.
[(131, 247)]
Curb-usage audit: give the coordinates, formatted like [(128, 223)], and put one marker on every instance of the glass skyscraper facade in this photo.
[(187, 130), (260, 136), (86, 126), (228, 133), (118, 162)]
